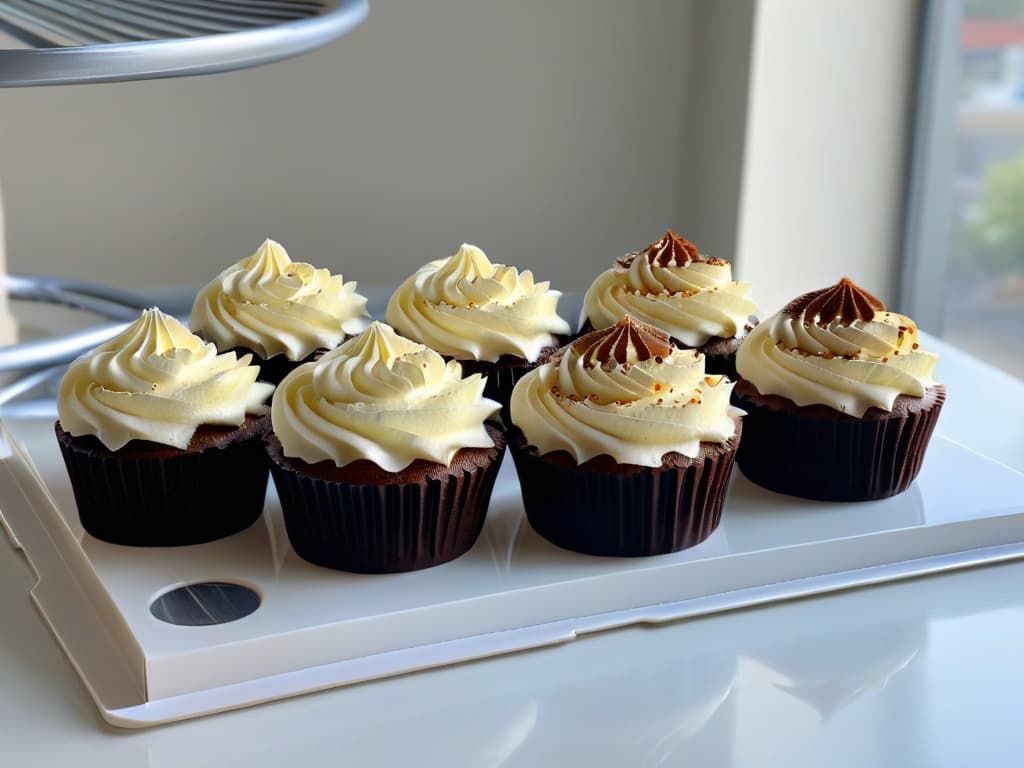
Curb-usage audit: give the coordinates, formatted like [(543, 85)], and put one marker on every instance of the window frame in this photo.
[(926, 245)]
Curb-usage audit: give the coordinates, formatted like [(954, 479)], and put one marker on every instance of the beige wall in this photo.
[(547, 133), (827, 129), (716, 120)]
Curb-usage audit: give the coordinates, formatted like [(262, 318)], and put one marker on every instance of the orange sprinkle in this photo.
[(915, 345), (885, 359)]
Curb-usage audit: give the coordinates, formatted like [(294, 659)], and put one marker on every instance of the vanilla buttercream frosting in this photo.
[(471, 309), (274, 306), (157, 381), (624, 391), (383, 398), (670, 285), (837, 347)]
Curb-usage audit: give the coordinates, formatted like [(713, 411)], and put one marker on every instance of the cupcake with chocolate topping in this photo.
[(624, 444), (163, 437), (492, 318), (839, 396), (381, 457), (281, 312), (670, 285)]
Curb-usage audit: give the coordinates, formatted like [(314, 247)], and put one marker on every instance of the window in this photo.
[(964, 271)]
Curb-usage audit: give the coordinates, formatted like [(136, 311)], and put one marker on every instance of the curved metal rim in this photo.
[(152, 59)]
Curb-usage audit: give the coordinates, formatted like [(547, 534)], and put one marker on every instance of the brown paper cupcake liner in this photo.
[(175, 499), (623, 510), (803, 453), (390, 527)]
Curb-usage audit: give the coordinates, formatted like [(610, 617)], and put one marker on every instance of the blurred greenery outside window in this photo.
[(984, 307)]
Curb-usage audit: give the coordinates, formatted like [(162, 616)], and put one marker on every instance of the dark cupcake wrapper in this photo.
[(503, 375), (721, 365), (632, 513), (839, 459), (501, 379), (274, 369), (176, 499), (385, 528)]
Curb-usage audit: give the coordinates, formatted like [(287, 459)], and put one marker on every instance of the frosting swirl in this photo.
[(837, 347), (383, 398), (156, 381), (470, 309), (624, 391), (274, 306), (670, 285)]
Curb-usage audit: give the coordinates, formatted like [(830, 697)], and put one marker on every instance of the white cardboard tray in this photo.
[(316, 628)]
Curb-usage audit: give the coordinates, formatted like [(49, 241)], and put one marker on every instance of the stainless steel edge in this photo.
[(178, 57)]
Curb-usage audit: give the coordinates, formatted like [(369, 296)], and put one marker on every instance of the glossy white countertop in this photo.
[(919, 673)]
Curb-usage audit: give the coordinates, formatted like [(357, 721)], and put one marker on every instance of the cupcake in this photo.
[(492, 318), (281, 312), (623, 444), (163, 437), (839, 397), (670, 285), (381, 457)]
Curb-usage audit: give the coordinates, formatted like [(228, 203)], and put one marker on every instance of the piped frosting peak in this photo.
[(624, 392), (837, 347), (383, 398), (156, 381), (670, 250), (845, 302), (670, 285), (469, 308), (274, 306), (627, 342)]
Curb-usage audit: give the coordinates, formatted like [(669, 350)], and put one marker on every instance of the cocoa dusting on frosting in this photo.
[(845, 302), (670, 250), (628, 341)]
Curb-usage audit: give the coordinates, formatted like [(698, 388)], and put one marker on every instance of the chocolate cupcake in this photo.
[(670, 285), (623, 444), (839, 397), (492, 318), (381, 457), (283, 313), (162, 437)]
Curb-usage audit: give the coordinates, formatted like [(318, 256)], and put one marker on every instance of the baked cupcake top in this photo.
[(157, 381), (837, 347), (624, 391), (669, 284), (383, 398), (274, 306), (470, 309)]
